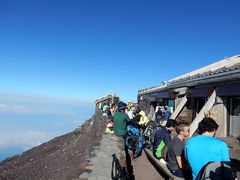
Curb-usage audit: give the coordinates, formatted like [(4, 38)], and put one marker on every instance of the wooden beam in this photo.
[(179, 108), (208, 105)]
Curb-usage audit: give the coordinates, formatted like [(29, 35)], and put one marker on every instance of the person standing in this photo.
[(158, 115), (175, 154), (205, 148), (167, 113)]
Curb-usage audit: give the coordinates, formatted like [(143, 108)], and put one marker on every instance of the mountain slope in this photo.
[(61, 158)]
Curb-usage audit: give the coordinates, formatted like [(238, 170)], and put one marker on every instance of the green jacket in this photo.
[(119, 120)]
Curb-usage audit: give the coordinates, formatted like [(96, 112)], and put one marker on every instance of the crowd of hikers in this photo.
[(196, 157)]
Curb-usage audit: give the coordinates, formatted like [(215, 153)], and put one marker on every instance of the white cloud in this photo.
[(4, 108), (54, 111), (10, 103), (42, 99), (26, 140)]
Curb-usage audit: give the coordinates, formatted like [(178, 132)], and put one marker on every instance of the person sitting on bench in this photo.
[(161, 140)]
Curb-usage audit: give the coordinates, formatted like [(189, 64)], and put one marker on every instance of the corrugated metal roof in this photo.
[(221, 68)]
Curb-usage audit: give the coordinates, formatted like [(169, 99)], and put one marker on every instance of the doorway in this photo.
[(235, 116)]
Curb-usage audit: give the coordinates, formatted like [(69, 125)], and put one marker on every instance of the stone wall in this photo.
[(144, 103)]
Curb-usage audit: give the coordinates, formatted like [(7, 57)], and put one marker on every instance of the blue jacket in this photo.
[(166, 115), (161, 134)]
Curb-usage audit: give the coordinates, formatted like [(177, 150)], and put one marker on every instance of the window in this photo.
[(235, 107)]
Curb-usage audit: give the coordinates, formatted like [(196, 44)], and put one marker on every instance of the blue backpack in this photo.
[(134, 140)]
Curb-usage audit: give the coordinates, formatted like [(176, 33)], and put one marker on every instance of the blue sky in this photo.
[(84, 49)]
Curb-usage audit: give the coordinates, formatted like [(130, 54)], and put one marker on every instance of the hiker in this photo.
[(143, 120), (167, 113), (113, 109), (119, 119), (177, 163), (162, 139), (111, 112), (104, 109), (159, 115), (205, 148), (134, 119), (131, 112), (109, 128)]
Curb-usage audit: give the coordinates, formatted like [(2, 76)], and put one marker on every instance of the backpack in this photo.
[(118, 172), (217, 171), (134, 140), (148, 134)]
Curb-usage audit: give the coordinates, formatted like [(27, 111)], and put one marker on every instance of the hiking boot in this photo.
[(162, 161)]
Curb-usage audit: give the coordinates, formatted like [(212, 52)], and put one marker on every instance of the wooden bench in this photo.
[(161, 166)]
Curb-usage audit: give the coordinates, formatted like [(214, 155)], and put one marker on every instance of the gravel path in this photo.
[(101, 164)]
